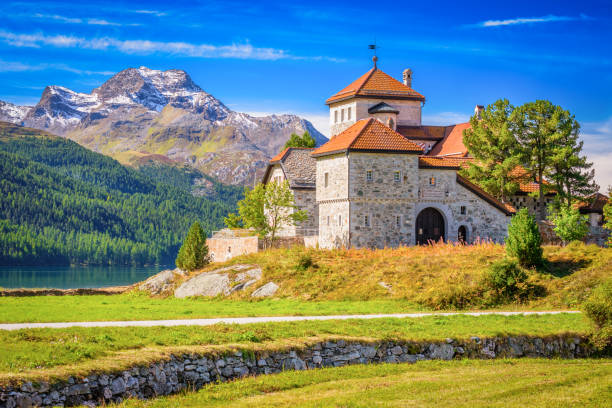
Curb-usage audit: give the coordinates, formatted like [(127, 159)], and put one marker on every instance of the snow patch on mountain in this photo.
[(13, 113)]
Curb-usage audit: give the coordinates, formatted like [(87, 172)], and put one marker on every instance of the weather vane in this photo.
[(374, 47)]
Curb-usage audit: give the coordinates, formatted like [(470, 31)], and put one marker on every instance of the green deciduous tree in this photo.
[(542, 128), (491, 141), (267, 209), (569, 224), (524, 241), (305, 140), (194, 252), (608, 215)]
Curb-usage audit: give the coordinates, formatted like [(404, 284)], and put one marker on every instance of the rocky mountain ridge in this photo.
[(143, 112)]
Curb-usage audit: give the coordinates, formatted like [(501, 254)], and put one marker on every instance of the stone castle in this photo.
[(384, 179)]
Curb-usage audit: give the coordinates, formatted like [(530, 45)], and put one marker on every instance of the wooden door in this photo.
[(429, 226)]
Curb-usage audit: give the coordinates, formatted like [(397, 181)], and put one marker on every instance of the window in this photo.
[(342, 115), (326, 179), (463, 210), (398, 220), (335, 116), (328, 220), (366, 220), (432, 181), (396, 176), (339, 220), (369, 175), (348, 114)]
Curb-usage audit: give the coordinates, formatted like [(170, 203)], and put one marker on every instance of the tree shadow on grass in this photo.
[(562, 268)]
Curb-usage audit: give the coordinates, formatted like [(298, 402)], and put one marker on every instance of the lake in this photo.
[(70, 277)]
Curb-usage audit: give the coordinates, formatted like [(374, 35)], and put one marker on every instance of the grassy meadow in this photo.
[(43, 353), (467, 383), (325, 282)]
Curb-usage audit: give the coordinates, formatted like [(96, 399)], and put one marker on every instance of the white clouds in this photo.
[(15, 66), (597, 138), (527, 20), (152, 12), (146, 47), (76, 20)]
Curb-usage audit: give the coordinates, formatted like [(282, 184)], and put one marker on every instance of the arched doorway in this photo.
[(462, 235), (429, 226)]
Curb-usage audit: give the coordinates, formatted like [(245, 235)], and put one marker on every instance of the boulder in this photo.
[(162, 281), (223, 281), (269, 289)]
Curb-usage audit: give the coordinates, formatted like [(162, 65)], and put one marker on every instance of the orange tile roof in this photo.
[(444, 162), (279, 156), (452, 143), (368, 134), (376, 83), (505, 207)]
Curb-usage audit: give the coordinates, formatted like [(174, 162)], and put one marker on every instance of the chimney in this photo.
[(478, 111), (408, 77)]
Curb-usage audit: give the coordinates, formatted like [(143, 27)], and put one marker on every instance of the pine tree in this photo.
[(305, 140), (194, 252), (541, 128), (571, 173), (491, 141), (524, 241)]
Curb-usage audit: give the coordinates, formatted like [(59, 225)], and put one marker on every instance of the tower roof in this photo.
[(368, 135), (376, 84)]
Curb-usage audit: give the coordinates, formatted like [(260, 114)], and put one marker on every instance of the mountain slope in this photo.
[(62, 203), (143, 111)]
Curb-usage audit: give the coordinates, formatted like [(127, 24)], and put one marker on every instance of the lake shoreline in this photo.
[(24, 292)]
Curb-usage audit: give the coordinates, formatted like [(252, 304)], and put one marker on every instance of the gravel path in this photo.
[(247, 320)]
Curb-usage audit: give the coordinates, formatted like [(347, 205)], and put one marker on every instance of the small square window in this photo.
[(398, 220), (366, 220), (326, 179), (463, 210), (396, 176), (369, 175), (432, 181)]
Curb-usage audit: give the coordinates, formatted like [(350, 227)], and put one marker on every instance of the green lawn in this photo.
[(80, 349), (466, 383), (136, 306)]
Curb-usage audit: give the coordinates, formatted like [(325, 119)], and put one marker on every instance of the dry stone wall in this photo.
[(190, 371)]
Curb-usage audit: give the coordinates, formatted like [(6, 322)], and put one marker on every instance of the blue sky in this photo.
[(281, 57)]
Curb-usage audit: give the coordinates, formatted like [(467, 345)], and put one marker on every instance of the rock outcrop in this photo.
[(162, 282), (224, 281)]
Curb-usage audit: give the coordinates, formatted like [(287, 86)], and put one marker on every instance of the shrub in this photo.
[(570, 225), (506, 281), (598, 308), (194, 252), (524, 241), (304, 262)]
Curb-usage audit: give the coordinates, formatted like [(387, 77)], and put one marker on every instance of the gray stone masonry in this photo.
[(191, 371)]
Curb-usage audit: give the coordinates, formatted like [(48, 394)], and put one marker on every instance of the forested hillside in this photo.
[(62, 203)]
